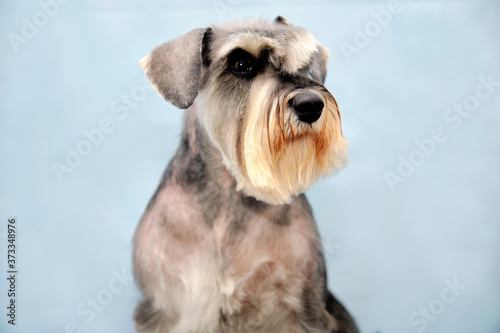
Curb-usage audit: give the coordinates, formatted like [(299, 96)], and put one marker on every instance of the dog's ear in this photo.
[(281, 20), (319, 63), (174, 68)]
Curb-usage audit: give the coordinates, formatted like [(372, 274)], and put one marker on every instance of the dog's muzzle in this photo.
[(307, 106)]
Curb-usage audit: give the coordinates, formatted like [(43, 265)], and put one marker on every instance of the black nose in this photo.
[(308, 107)]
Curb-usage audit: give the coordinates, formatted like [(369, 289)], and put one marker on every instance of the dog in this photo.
[(228, 242)]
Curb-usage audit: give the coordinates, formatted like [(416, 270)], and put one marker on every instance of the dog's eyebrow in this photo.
[(238, 50), (248, 41)]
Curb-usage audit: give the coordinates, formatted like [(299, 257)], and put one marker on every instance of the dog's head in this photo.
[(260, 96)]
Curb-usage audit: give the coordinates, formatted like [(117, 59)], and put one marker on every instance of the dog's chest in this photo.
[(222, 270)]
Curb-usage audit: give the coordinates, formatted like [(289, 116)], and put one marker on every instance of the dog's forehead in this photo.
[(291, 47)]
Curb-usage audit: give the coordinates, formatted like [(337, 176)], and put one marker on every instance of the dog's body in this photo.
[(228, 242)]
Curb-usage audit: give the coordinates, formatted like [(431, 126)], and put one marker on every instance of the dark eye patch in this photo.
[(245, 64), (242, 63)]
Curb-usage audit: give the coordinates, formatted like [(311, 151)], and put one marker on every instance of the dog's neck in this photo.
[(198, 169), (202, 150)]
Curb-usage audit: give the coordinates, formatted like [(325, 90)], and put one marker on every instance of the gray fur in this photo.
[(318, 65), (197, 204), (198, 169), (175, 68)]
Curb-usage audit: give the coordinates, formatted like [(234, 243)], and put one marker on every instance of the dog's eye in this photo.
[(242, 67), (242, 63)]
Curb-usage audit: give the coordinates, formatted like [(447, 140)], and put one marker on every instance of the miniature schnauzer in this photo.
[(228, 243)]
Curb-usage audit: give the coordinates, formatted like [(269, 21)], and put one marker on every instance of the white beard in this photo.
[(280, 157)]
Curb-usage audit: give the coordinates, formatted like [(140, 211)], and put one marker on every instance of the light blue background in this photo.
[(388, 252)]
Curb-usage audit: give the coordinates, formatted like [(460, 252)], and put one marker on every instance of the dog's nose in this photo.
[(308, 107)]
